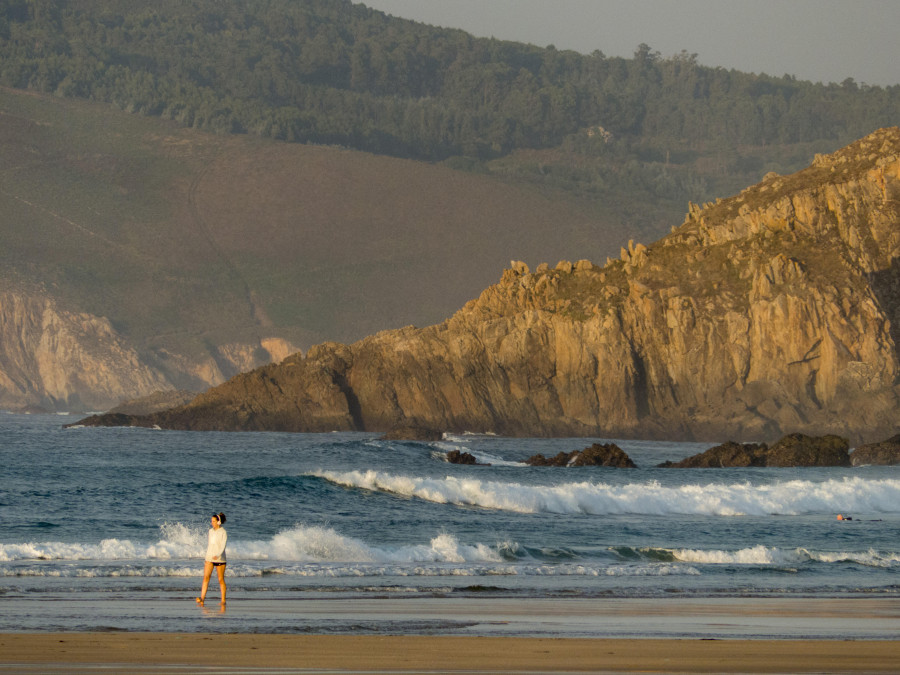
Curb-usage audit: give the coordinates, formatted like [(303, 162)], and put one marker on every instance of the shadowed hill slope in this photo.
[(198, 248), (767, 313)]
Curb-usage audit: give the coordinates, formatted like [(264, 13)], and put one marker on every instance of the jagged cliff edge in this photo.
[(771, 312)]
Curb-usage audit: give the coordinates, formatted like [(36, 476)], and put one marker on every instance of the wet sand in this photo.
[(603, 618), (486, 635), (242, 653)]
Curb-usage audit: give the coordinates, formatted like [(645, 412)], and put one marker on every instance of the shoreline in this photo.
[(259, 653), (678, 618)]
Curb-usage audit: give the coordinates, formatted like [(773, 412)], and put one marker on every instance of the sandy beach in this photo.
[(241, 653)]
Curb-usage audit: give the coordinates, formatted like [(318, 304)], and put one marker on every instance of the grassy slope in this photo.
[(185, 239)]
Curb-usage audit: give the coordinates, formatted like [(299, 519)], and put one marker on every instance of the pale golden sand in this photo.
[(242, 653)]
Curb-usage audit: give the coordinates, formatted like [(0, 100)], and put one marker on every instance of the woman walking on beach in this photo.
[(215, 556)]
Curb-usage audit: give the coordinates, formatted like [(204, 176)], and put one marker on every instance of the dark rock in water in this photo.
[(109, 420), (597, 455), (802, 450), (457, 457), (156, 402), (728, 454), (412, 433), (792, 450), (885, 453), (562, 459)]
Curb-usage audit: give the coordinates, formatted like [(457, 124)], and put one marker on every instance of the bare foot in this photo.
[(199, 601)]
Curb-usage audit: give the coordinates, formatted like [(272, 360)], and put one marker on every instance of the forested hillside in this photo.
[(334, 72)]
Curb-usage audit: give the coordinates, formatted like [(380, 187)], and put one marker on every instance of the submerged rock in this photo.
[(597, 455), (885, 453)]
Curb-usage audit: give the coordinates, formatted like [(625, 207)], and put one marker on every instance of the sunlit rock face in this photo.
[(53, 359), (771, 312), (58, 360)]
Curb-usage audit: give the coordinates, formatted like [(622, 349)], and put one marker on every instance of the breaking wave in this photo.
[(764, 555), (794, 497), (300, 543)]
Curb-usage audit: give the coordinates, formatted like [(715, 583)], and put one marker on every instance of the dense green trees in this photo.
[(329, 71)]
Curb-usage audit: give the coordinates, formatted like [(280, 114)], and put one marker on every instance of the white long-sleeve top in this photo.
[(215, 549)]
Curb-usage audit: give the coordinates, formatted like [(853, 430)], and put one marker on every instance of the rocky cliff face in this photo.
[(61, 360), (774, 311), (55, 359)]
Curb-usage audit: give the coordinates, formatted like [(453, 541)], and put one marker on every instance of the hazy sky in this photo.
[(818, 40)]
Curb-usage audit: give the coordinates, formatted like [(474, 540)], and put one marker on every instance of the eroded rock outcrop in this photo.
[(794, 450), (726, 455), (606, 454), (803, 450), (886, 453), (460, 457), (771, 312)]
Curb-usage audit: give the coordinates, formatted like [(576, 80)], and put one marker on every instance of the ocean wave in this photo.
[(794, 497), (177, 541), (355, 570), (316, 543), (480, 456), (300, 543), (767, 556)]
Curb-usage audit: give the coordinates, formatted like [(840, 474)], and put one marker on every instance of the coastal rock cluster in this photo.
[(885, 452), (605, 454), (772, 312), (792, 450)]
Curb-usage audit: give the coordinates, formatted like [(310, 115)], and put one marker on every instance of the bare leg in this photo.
[(220, 570), (207, 573)]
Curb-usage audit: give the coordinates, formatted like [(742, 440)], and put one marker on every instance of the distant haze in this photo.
[(818, 40)]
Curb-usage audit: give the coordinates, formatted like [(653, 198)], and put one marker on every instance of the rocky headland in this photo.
[(771, 312)]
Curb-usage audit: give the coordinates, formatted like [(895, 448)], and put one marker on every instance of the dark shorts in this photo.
[(218, 564)]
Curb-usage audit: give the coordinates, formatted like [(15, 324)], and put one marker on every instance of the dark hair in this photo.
[(220, 516)]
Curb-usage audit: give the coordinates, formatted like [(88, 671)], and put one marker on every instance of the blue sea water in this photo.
[(95, 517)]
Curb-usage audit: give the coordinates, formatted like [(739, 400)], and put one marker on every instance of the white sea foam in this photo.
[(480, 456), (793, 497), (765, 555), (323, 544), (300, 543), (358, 570), (176, 541)]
